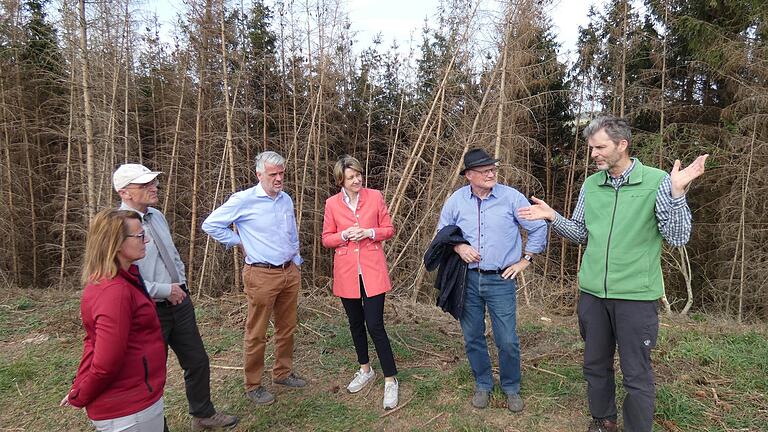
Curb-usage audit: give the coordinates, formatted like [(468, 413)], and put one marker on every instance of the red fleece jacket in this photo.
[(122, 370)]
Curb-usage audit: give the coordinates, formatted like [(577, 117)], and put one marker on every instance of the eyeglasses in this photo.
[(142, 235), (486, 172), (153, 183)]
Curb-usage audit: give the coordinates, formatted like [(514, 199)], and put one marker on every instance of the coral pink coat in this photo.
[(368, 254)]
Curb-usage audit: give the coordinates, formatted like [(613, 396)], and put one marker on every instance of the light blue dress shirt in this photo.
[(491, 225), (266, 227)]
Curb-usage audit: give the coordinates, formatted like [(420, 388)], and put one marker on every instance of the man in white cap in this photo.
[(165, 280)]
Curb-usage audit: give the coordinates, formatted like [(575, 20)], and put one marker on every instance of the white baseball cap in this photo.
[(132, 173)]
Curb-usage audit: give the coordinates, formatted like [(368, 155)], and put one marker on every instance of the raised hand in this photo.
[(539, 210), (680, 179)]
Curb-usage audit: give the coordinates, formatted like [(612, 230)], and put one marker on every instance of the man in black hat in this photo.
[(486, 212)]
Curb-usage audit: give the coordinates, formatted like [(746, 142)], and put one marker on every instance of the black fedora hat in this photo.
[(476, 158)]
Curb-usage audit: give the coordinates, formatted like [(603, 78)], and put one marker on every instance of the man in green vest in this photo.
[(623, 212)]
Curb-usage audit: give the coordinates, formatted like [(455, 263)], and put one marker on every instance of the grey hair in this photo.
[(615, 127), (268, 157)]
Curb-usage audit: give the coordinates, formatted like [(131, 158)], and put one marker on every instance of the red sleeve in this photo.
[(331, 235), (112, 313), (385, 230)]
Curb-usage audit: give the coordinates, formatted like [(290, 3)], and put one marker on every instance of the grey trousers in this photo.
[(633, 326)]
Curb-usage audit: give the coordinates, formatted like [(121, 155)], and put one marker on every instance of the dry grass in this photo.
[(709, 373)]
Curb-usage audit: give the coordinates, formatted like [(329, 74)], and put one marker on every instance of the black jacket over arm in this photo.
[(451, 269)]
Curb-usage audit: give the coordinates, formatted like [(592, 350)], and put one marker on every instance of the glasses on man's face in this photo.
[(142, 235), (486, 172), (153, 183)]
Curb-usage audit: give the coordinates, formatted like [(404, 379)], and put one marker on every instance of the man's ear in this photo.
[(623, 146)]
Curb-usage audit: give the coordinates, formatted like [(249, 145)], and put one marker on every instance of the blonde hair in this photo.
[(106, 234), (345, 162)]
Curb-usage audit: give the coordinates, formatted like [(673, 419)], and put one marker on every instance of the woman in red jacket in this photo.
[(356, 221), (121, 376)]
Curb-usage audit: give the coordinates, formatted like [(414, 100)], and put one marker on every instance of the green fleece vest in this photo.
[(623, 255)]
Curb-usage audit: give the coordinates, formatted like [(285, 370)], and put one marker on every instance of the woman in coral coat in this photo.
[(356, 221)]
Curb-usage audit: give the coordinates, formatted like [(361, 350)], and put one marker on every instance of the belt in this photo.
[(284, 265), (481, 271)]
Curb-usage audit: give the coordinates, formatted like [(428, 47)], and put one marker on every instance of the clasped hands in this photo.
[(469, 255), (355, 233)]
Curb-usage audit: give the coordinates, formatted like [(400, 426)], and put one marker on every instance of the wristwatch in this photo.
[(528, 258)]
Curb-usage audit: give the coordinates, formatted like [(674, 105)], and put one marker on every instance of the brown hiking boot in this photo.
[(603, 425), (215, 421)]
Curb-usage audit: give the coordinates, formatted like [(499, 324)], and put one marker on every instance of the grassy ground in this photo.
[(711, 375)]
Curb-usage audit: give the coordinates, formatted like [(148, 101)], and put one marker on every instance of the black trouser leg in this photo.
[(369, 312), (373, 308), (597, 329), (182, 335), (637, 326), (356, 318)]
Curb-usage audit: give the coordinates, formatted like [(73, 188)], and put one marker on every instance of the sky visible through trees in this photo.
[(86, 86)]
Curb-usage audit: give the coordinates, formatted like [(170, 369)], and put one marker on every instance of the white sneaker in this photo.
[(360, 380), (390, 394)]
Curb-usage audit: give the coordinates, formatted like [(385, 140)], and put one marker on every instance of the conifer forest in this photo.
[(88, 85)]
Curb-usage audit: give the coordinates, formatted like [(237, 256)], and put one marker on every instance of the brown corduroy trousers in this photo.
[(268, 291)]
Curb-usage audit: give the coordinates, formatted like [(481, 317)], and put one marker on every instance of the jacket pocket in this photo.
[(146, 373), (373, 246), (341, 251)]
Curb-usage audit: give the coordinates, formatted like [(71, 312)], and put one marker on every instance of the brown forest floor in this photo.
[(712, 375)]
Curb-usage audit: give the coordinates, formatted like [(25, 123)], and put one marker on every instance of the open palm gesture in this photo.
[(680, 179)]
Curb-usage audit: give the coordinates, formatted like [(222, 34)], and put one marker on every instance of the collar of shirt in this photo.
[(259, 191), (347, 200), (616, 182), (470, 195), (144, 216)]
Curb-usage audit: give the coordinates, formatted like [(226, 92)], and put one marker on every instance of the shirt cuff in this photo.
[(234, 241), (678, 202), (558, 222), (373, 234)]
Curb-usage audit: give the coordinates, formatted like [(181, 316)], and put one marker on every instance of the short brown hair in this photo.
[(106, 234), (342, 164)]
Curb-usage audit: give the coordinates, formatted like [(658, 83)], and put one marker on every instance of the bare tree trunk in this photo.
[(65, 210), (624, 59), (89, 149), (742, 221), (176, 132), (229, 148), (9, 187)]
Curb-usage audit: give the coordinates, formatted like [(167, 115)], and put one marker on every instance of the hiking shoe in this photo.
[(291, 381), (603, 425), (514, 402), (360, 380), (260, 396), (480, 399), (390, 394), (215, 421)]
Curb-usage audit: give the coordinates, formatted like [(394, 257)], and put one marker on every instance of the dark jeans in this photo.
[(181, 334), (633, 325), (500, 296), (369, 312)]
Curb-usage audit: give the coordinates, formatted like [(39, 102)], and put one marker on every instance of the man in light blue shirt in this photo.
[(486, 212), (266, 232)]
